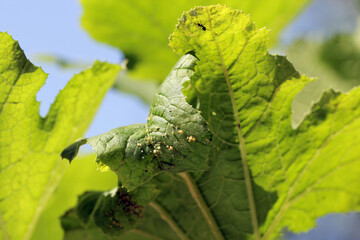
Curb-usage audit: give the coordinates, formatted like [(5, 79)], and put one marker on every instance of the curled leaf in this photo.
[(174, 139)]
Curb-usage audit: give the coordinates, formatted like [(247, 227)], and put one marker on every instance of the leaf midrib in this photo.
[(54, 180), (3, 228), (241, 146), (169, 220), (198, 198)]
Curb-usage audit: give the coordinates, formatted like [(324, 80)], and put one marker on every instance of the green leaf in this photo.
[(81, 176), (174, 139), (114, 212), (30, 166), (72, 150), (140, 28), (312, 170), (263, 174)]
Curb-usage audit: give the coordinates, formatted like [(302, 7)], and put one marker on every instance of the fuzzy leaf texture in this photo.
[(263, 174), (30, 166), (174, 139), (140, 28)]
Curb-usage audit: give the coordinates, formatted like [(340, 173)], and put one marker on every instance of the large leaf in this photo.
[(30, 165), (264, 175), (140, 28), (313, 169)]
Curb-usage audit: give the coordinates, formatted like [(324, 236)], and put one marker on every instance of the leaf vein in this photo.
[(242, 148)]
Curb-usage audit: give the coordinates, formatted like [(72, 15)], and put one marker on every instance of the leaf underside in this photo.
[(263, 174)]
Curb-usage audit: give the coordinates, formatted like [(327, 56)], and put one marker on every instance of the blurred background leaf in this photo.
[(334, 62), (141, 28)]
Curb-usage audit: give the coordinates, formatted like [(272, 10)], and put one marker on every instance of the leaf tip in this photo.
[(72, 150)]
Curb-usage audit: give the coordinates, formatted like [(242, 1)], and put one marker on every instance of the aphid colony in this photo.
[(130, 208)]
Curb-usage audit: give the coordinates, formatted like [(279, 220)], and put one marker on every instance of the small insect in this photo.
[(201, 26)]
